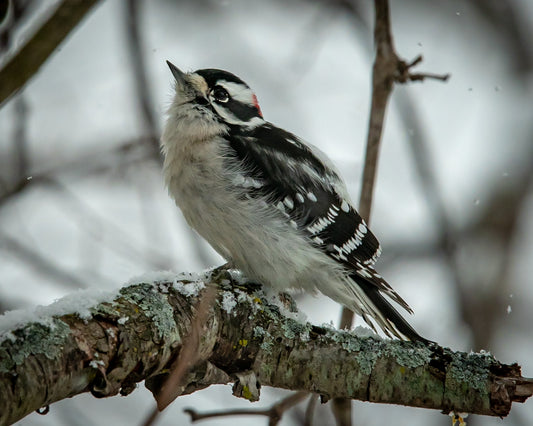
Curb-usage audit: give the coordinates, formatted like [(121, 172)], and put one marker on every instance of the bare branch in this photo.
[(388, 69), (20, 140), (126, 154), (142, 90), (190, 355), (273, 413), (310, 410), (37, 50)]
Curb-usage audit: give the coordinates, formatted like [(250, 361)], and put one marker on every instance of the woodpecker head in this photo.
[(215, 96)]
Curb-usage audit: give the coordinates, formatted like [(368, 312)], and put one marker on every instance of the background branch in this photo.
[(34, 53)]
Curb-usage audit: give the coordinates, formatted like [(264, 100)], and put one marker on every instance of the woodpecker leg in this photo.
[(458, 419), (288, 302), (222, 272), (225, 266)]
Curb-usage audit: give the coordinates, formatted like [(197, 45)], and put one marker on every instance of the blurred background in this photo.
[(83, 205)]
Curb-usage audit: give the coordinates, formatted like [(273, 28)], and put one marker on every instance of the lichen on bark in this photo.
[(138, 333)]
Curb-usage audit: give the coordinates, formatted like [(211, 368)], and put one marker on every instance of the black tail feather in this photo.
[(388, 311)]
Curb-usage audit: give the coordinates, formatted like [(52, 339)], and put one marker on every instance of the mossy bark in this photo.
[(137, 335)]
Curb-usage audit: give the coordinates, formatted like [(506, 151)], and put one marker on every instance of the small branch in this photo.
[(273, 413), (423, 76), (20, 140), (310, 410), (37, 50), (388, 68), (342, 410), (128, 153), (403, 72), (138, 67), (189, 356)]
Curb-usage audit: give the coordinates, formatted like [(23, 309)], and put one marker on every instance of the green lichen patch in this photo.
[(154, 305), (293, 329), (365, 350), (33, 339), (347, 340), (107, 309), (471, 370), (408, 354), (370, 351)]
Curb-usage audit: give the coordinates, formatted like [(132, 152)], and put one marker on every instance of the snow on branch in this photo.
[(107, 343)]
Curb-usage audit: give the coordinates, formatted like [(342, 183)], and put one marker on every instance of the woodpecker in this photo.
[(272, 205)]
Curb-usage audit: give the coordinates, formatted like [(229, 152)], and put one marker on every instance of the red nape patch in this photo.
[(256, 103)]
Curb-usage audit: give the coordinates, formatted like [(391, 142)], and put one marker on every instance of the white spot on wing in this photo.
[(319, 225), (288, 202), (238, 179), (300, 197), (345, 206), (318, 240), (312, 197)]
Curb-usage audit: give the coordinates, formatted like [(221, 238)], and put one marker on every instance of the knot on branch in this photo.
[(247, 386), (403, 72)]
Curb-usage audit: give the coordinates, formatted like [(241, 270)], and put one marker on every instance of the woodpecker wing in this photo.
[(301, 183)]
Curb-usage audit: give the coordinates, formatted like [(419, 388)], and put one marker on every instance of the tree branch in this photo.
[(274, 413), (30, 58), (120, 339)]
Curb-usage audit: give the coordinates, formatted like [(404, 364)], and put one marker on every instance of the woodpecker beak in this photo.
[(178, 74)]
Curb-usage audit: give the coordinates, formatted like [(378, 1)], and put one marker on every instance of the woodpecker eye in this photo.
[(220, 94)]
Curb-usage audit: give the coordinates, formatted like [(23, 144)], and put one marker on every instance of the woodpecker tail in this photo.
[(388, 318)]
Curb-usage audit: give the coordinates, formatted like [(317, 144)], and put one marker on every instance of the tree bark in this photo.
[(136, 334)]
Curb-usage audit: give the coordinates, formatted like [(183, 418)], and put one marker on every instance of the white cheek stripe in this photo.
[(230, 118), (238, 91)]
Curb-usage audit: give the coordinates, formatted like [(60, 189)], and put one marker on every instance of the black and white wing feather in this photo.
[(302, 183)]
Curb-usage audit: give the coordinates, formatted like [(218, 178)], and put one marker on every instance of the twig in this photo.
[(142, 90), (274, 413), (188, 357), (34, 53), (20, 140), (342, 410), (86, 164), (310, 410)]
